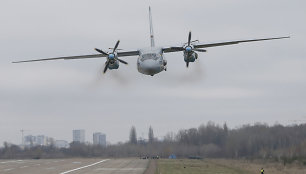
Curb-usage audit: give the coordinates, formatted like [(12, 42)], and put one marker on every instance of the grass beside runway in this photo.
[(186, 166), (226, 166)]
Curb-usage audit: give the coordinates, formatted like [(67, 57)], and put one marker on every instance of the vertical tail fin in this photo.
[(151, 29)]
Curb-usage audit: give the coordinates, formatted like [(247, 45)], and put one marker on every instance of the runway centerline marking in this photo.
[(69, 171), (120, 169)]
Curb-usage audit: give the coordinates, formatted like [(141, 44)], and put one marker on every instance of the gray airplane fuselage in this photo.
[(151, 61)]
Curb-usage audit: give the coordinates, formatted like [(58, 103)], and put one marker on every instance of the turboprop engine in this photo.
[(112, 61)]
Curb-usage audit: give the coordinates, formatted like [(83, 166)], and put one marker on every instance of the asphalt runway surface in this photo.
[(74, 166)]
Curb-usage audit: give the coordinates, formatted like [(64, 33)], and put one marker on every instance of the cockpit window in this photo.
[(153, 56)]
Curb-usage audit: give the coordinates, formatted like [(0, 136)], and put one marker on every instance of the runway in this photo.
[(74, 166)]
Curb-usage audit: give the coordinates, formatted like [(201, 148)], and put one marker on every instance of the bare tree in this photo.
[(151, 135), (133, 135), (225, 128)]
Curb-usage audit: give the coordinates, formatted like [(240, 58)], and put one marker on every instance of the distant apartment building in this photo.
[(99, 139), (78, 136), (41, 140), (29, 140), (50, 141), (61, 144)]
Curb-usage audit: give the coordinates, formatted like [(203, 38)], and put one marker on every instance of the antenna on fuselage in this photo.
[(151, 29)]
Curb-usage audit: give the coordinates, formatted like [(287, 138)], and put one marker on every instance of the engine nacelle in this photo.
[(190, 57), (113, 65)]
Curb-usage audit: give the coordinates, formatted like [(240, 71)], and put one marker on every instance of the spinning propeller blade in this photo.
[(116, 46), (199, 50), (106, 67), (189, 38), (122, 61), (100, 51)]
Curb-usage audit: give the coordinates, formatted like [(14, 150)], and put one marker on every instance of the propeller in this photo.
[(189, 38), (189, 49), (199, 50), (111, 57)]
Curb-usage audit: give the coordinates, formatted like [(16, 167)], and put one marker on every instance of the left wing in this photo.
[(120, 54), (207, 45)]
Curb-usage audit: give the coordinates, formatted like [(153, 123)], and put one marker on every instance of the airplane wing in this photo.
[(120, 54), (207, 45)]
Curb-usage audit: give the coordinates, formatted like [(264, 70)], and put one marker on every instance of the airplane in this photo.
[(151, 60)]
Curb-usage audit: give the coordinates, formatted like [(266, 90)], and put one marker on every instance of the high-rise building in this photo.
[(30, 140), (78, 136), (50, 141), (41, 140), (99, 139)]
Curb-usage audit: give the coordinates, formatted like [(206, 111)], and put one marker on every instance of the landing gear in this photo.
[(165, 65)]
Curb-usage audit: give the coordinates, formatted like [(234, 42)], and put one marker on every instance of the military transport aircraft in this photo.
[(151, 60)]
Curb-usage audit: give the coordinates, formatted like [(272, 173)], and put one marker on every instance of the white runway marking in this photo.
[(24, 167), (76, 162), (69, 171), (120, 169), (5, 162)]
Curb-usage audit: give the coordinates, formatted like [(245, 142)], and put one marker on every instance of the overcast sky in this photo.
[(239, 84)]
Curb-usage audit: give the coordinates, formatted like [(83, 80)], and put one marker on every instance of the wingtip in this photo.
[(285, 37), (19, 61)]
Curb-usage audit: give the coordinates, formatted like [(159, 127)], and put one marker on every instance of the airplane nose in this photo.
[(151, 66)]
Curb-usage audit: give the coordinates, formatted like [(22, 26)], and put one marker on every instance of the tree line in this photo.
[(258, 141)]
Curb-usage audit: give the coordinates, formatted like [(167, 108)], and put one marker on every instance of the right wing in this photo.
[(208, 45), (120, 54)]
